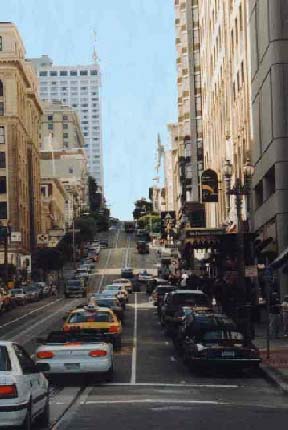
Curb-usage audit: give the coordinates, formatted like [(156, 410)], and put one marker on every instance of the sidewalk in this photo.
[(276, 367)]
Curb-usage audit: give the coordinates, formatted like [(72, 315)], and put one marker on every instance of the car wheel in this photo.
[(27, 424), (110, 374), (44, 417), (118, 344)]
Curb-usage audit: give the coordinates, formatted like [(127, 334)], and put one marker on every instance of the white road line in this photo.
[(29, 313), (106, 264), (160, 384), (165, 401), (134, 352)]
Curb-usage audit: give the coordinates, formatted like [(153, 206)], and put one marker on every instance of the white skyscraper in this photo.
[(79, 87)]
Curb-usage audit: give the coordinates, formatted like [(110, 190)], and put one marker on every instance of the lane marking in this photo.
[(106, 264), (163, 384), (30, 313), (134, 351), (165, 401)]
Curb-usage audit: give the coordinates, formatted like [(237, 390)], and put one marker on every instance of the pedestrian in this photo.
[(275, 315), (284, 307)]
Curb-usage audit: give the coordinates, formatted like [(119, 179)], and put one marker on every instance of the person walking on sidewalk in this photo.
[(275, 315), (284, 306)]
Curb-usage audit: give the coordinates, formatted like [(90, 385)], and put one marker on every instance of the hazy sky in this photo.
[(135, 44)]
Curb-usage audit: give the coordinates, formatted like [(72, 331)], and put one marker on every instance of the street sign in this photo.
[(42, 239), (251, 271), (16, 236)]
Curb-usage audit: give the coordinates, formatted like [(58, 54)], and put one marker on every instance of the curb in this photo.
[(275, 377)]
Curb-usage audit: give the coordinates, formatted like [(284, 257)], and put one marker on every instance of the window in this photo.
[(269, 183), (83, 88), (84, 105), (65, 135), (71, 170), (64, 88), (2, 135), (50, 117), (53, 73), (1, 89), (74, 105), (26, 363), (43, 73), (84, 122), (2, 160), (5, 364), (83, 72), (1, 108), (259, 194), (63, 73), (1, 44), (65, 118), (3, 210), (93, 72), (65, 126), (50, 126), (3, 185), (73, 72)]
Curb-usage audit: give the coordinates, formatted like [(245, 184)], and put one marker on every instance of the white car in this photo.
[(75, 353), (122, 292), (23, 389), (125, 282), (144, 276)]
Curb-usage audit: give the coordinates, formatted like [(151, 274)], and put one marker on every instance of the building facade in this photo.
[(53, 200), (78, 87), (190, 136), (269, 74), (226, 98), (20, 118)]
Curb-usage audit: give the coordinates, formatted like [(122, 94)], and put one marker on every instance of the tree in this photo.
[(151, 222), (47, 259), (95, 197), (142, 207), (88, 228)]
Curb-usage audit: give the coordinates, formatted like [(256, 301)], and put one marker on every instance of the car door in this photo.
[(33, 379)]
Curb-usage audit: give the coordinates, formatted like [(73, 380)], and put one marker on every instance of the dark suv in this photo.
[(176, 300)]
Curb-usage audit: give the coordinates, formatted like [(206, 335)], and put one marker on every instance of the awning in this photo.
[(280, 260)]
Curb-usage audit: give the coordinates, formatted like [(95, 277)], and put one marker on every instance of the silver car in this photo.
[(75, 353)]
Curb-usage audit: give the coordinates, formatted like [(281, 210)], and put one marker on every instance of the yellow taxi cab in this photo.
[(91, 317)]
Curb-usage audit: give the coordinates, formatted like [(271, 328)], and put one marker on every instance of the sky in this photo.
[(135, 42)]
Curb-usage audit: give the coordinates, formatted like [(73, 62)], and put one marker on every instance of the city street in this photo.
[(151, 388)]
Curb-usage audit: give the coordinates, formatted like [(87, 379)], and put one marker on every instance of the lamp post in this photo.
[(239, 190)]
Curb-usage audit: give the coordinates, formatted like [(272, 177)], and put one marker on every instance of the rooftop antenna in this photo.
[(94, 53)]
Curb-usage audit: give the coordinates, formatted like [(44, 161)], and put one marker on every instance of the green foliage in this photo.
[(48, 259), (151, 222), (88, 228), (142, 207)]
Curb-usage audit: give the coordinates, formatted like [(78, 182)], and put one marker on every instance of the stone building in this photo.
[(20, 116), (53, 199), (226, 97), (269, 74), (190, 135)]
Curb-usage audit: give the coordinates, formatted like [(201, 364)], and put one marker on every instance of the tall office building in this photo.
[(78, 87)]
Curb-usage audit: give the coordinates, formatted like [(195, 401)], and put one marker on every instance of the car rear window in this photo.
[(90, 317), (190, 299), (222, 335), (5, 363), (164, 290)]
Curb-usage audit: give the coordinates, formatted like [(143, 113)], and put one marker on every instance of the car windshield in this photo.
[(112, 287), (16, 291), (5, 364), (86, 317)]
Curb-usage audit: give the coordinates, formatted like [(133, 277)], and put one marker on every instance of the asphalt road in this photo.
[(152, 388)]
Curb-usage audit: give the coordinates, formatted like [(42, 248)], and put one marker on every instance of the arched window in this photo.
[(1, 89)]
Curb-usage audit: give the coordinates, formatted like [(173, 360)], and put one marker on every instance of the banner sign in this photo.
[(209, 186)]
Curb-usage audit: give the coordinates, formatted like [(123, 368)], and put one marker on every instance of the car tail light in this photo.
[(113, 329), (8, 391), (98, 353), (45, 355)]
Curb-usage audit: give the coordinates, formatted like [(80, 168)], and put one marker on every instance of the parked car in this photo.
[(64, 353), (75, 287), (45, 288), (19, 295), (213, 341), (176, 300), (23, 389), (104, 243), (152, 283), (5, 300), (32, 292)]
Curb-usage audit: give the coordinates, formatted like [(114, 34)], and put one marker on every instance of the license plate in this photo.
[(228, 354), (72, 366)]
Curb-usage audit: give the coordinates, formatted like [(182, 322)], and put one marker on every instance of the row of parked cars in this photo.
[(31, 292), (203, 338)]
